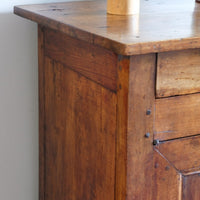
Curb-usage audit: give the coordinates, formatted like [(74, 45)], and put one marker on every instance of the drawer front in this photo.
[(177, 117), (178, 73)]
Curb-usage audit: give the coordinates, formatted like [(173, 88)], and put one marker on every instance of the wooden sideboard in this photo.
[(119, 101)]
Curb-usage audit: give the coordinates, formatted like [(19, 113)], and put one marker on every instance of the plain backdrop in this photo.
[(18, 104)]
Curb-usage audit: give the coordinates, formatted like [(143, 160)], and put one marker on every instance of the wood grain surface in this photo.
[(122, 126), (167, 180), (95, 63), (162, 25), (177, 164), (80, 130), (177, 117), (99, 114), (191, 187), (178, 73), (183, 154), (139, 148)]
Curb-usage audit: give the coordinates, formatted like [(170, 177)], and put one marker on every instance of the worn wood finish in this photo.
[(167, 180), (178, 73), (122, 122), (177, 169), (41, 112), (94, 62), (162, 26), (182, 153), (80, 133), (99, 117), (177, 117), (191, 187), (140, 149)]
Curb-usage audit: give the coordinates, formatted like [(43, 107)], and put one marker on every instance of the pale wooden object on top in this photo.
[(123, 7)]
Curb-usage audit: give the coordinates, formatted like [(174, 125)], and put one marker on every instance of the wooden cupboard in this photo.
[(119, 101)]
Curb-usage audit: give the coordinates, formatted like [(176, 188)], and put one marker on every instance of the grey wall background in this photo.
[(18, 104)]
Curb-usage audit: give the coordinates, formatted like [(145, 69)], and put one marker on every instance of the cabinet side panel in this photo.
[(93, 62), (41, 111), (80, 118)]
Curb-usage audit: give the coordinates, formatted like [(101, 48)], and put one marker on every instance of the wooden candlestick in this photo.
[(123, 7)]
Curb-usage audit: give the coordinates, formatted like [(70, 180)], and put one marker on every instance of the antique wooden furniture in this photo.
[(119, 101)]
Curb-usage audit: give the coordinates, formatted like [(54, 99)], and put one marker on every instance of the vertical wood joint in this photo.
[(122, 119), (141, 99)]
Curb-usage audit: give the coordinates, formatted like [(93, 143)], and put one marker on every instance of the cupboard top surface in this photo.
[(161, 26)]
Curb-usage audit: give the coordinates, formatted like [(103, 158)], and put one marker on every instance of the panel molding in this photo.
[(183, 153), (167, 180)]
